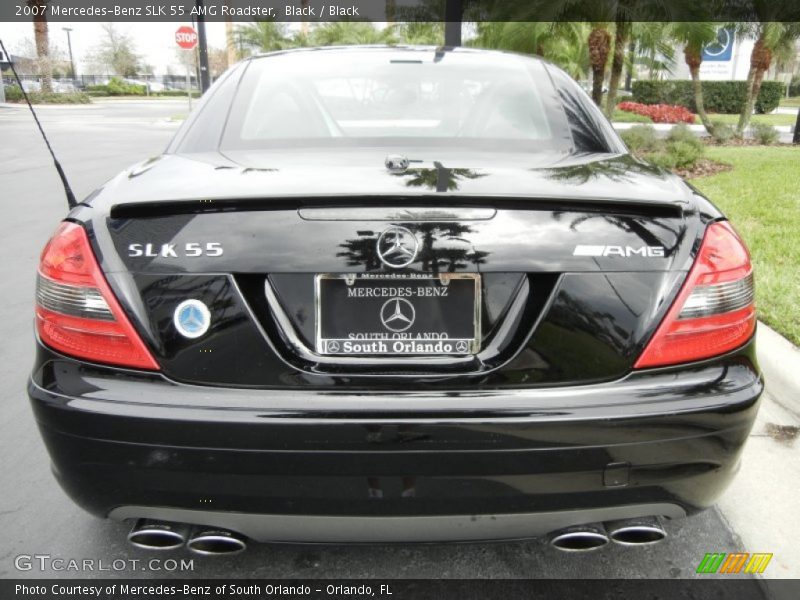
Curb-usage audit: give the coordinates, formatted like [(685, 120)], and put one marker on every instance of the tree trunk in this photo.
[(750, 104), (760, 61), (620, 41), (744, 119), (230, 43), (42, 37), (697, 88), (391, 10), (599, 44), (631, 62)]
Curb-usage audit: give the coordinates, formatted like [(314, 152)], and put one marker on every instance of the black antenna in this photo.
[(67, 190)]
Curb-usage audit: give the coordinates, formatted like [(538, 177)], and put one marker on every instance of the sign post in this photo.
[(186, 38)]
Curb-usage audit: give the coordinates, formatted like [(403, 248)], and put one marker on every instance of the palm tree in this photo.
[(695, 36), (622, 33), (599, 13), (771, 37), (262, 36), (345, 33), (42, 37), (526, 38), (563, 43), (568, 48), (654, 50), (426, 33), (599, 47)]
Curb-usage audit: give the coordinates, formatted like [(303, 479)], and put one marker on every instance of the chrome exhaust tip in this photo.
[(580, 538), (158, 535), (642, 531), (214, 542)]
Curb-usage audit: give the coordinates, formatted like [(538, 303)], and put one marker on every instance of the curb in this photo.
[(779, 360), (699, 129)]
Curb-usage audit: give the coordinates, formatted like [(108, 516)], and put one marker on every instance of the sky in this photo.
[(155, 42)]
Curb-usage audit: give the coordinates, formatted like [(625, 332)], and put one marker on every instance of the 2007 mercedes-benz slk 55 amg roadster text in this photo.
[(394, 294)]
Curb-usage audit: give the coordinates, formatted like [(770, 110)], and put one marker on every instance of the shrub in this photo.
[(764, 133), (175, 93), (641, 139), (718, 96), (794, 86), (116, 87), (681, 133), (13, 93), (659, 113), (681, 149), (684, 154), (723, 132), (676, 155), (56, 98)]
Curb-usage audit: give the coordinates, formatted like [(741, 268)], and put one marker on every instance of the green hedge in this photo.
[(14, 94), (794, 87), (176, 93), (117, 87), (719, 96)]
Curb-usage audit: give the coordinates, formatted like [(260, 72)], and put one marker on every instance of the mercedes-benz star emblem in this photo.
[(397, 247), (462, 346), (191, 318), (397, 314)]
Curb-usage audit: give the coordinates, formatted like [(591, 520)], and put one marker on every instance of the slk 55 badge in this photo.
[(189, 249)]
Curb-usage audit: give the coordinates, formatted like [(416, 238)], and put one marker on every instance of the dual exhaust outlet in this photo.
[(641, 531), (209, 541), (162, 535)]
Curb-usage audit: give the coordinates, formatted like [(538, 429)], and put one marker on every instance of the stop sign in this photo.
[(186, 37)]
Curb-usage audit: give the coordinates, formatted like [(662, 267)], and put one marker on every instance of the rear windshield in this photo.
[(384, 97)]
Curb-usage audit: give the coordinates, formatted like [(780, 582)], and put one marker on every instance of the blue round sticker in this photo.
[(192, 318)]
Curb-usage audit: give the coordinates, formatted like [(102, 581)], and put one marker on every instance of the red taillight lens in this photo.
[(714, 311), (76, 311)]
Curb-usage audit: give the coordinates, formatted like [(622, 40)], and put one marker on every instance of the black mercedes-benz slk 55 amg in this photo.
[(395, 294)]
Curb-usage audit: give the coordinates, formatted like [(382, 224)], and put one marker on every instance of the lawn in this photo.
[(773, 120), (792, 101), (761, 196), (621, 116)]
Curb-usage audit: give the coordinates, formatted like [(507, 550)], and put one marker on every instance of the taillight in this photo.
[(715, 310), (76, 311)]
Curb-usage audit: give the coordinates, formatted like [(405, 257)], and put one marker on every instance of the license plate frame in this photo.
[(414, 341)]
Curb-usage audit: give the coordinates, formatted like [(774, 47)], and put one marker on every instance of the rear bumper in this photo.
[(410, 465)]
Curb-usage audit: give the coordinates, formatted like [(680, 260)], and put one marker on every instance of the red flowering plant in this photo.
[(659, 113)]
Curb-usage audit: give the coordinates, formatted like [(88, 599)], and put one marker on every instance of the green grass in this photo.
[(792, 101), (622, 116), (761, 197), (773, 120)]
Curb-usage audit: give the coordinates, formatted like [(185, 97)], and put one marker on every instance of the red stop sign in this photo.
[(186, 37)]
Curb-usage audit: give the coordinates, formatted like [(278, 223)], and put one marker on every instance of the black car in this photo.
[(395, 294)]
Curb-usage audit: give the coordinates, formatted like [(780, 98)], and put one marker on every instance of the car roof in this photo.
[(477, 53)]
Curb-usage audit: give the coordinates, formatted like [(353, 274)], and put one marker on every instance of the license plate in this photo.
[(403, 315)]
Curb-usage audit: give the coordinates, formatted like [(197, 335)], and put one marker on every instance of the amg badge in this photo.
[(624, 251)]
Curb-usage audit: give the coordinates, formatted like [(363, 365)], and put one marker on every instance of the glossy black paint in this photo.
[(121, 437), (249, 418)]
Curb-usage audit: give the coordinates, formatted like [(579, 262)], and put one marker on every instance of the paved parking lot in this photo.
[(94, 143)]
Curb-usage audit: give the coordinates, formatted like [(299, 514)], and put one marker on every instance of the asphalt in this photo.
[(36, 518)]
